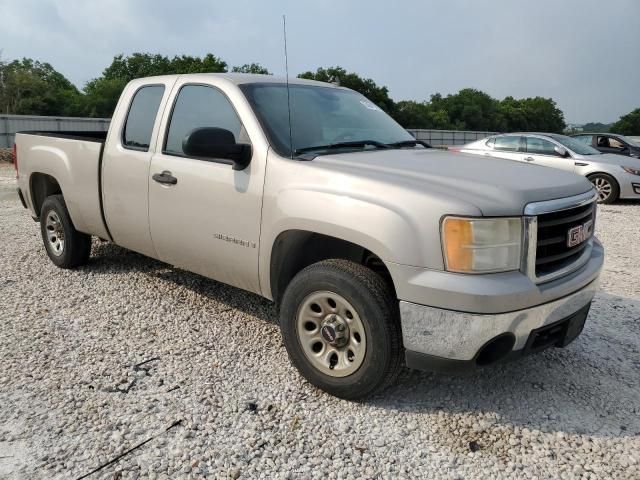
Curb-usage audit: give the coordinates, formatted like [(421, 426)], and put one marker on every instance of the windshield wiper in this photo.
[(409, 143), (334, 146)]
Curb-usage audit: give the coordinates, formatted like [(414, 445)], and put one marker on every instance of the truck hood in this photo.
[(496, 187)]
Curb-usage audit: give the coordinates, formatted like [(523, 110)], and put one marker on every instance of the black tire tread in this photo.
[(384, 297)]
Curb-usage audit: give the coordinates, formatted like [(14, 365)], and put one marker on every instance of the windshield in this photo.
[(631, 141), (320, 116), (575, 145)]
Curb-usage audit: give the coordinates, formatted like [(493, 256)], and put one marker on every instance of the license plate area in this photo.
[(557, 334)]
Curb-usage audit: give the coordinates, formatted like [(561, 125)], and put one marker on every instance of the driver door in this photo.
[(540, 151), (203, 215)]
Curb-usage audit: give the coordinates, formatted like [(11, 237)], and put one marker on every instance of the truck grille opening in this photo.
[(554, 250)]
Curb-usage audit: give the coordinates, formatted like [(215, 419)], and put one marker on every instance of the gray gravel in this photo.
[(74, 394)]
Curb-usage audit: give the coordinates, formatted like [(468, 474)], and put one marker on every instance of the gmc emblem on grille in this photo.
[(579, 234)]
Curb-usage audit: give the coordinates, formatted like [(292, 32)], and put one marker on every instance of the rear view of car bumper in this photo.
[(448, 341)]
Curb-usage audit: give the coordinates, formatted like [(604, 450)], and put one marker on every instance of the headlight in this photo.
[(631, 170), (481, 245)]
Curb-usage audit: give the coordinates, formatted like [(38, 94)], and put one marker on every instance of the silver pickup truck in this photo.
[(379, 250)]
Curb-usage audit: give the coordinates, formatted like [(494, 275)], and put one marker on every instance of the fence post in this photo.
[(7, 133)]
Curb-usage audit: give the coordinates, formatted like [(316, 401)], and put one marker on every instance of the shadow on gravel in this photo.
[(108, 258), (590, 387)]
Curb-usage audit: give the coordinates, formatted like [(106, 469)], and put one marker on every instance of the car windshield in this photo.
[(321, 117), (631, 141), (575, 145)]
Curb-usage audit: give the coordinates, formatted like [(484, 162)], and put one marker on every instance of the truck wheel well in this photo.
[(295, 250), (42, 186)]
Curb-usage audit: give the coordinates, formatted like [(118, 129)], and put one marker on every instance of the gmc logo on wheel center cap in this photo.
[(579, 234)]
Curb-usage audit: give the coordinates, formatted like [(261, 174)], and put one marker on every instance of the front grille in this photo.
[(553, 252)]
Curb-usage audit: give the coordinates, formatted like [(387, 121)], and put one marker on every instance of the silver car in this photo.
[(614, 176)]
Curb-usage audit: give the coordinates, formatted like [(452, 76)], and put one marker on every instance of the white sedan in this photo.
[(614, 176)]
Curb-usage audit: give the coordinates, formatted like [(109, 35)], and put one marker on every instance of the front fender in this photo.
[(371, 223)]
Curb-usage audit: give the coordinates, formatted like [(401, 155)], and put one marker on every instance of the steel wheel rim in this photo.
[(328, 309), (55, 233), (603, 186)]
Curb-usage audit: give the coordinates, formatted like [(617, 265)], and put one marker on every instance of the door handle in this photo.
[(529, 159), (165, 178)]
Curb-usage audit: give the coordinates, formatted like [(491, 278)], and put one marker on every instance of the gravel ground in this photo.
[(5, 155), (95, 361)]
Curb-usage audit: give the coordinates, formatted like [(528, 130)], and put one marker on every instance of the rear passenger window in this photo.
[(507, 144), (199, 106), (141, 117), (540, 146)]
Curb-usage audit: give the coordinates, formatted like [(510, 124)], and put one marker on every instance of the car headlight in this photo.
[(481, 245), (631, 170)]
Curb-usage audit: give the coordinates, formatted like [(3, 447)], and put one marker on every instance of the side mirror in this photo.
[(212, 142), (561, 151)]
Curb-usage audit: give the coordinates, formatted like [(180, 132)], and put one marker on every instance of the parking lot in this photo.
[(127, 351)]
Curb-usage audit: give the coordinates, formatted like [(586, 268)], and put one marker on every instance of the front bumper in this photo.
[(449, 341), (629, 186)]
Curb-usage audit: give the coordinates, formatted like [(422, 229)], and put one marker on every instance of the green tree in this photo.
[(101, 96), (366, 86), (102, 93), (471, 109), (542, 115), (628, 124), (596, 127), (412, 114), (251, 68), (29, 87)]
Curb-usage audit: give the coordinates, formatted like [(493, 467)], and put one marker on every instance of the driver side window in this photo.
[(540, 146), (615, 143), (198, 106)]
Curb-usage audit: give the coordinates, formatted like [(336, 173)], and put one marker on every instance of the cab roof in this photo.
[(244, 78)]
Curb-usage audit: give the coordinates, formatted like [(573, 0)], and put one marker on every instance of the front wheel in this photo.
[(607, 187), (340, 326), (66, 247)]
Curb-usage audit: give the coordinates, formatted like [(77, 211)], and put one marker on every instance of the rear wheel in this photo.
[(607, 187), (340, 326), (66, 247)]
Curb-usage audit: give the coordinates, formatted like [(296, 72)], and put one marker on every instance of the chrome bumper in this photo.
[(455, 335)]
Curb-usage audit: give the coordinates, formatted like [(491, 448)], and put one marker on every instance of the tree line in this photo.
[(30, 87)]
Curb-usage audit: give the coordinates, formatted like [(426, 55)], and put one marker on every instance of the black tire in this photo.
[(602, 179), (76, 246), (378, 311)]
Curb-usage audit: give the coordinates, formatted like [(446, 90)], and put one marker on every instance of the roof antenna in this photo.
[(286, 66)]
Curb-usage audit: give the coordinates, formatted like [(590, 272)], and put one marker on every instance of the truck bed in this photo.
[(74, 160)]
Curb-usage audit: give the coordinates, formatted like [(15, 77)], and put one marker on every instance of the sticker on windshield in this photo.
[(369, 105)]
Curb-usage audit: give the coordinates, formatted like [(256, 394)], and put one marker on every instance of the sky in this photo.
[(585, 54)]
